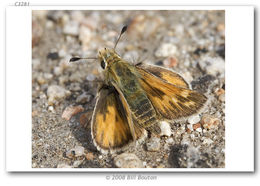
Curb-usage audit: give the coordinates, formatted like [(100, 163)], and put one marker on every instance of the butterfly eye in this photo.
[(103, 64)]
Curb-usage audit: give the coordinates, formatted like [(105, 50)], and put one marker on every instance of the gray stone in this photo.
[(213, 66), (128, 160), (84, 98), (71, 28), (56, 94), (166, 49), (194, 119), (153, 144)]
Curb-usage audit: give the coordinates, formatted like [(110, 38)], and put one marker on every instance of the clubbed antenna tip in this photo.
[(122, 31), (73, 59)]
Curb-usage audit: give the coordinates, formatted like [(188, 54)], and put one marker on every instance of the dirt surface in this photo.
[(63, 94)]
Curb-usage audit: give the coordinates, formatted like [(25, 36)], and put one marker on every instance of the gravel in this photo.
[(191, 43)]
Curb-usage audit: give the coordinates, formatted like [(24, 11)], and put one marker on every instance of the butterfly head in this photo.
[(107, 57)]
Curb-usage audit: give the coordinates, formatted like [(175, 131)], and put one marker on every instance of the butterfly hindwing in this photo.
[(170, 101), (110, 129)]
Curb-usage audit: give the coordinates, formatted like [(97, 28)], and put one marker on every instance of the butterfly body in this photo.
[(125, 78)]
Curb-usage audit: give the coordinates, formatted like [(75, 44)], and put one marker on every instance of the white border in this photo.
[(239, 91)]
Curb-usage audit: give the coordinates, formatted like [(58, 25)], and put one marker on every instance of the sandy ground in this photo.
[(189, 42)]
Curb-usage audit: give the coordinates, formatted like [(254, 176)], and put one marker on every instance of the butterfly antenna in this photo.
[(122, 31), (74, 59)]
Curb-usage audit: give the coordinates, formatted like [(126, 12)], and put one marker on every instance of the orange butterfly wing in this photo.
[(109, 126), (165, 74), (169, 100)]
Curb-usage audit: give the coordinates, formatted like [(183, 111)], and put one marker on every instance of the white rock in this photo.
[(199, 129), (222, 97), (56, 93), (128, 160), (170, 141), (166, 49), (213, 66), (207, 141), (83, 98), (165, 128), (194, 119), (35, 63), (64, 166), (48, 76), (62, 53), (91, 77), (189, 126), (153, 144), (85, 35), (57, 71), (79, 151), (50, 108), (77, 163), (71, 28)]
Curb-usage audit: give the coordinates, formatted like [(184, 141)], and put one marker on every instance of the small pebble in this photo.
[(221, 98), (170, 141), (170, 62), (196, 126), (84, 98), (194, 119), (57, 71), (165, 50), (53, 55), (220, 91), (153, 144), (165, 128), (85, 36), (56, 94), (91, 77), (62, 53), (75, 152), (207, 141), (79, 151), (64, 166), (34, 113), (48, 76), (51, 108), (34, 165), (199, 130), (75, 87), (89, 156), (71, 111), (77, 163), (128, 160), (209, 122), (213, 66), (71, 28), (36, 63)]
